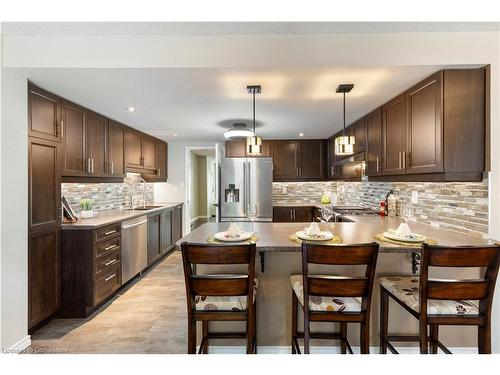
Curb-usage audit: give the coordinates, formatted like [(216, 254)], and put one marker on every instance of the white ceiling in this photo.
[(199, 104), (235, 28)]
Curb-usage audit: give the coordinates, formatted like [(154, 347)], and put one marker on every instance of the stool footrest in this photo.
[(321, 336), (412, 338)]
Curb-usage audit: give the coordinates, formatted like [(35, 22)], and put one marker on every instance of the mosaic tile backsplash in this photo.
[(457, 206), (107, 196)]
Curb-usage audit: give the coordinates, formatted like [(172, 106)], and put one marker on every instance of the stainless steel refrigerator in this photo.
[(245, 181)]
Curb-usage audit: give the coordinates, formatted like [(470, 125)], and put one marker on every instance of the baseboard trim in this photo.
[(19, 346), (323, 350)]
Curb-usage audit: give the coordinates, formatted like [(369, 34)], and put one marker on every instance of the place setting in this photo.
[(234, 234), (313, 233)]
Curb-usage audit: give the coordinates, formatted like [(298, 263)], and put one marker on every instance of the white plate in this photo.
[(325, 236), (414, 237), (242, 236)]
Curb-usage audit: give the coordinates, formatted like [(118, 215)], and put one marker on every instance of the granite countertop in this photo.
[(274, 236), (115, 216), (318, 205)]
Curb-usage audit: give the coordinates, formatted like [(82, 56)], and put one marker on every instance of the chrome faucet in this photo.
[(132, 193)]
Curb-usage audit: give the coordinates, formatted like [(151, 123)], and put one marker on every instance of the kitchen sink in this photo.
[(143, 208)]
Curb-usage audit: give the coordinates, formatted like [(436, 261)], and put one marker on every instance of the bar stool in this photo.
[(334, 298), (220, 297), (436, 302)]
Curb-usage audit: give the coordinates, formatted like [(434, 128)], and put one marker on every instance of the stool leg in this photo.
[(423, 336), (365, 337), (250, 330), (191, 336), (295, 308), (343, 335), (434, 338), (484, 337), (205, 334), (255, 329), (307, 336), (384, 320)]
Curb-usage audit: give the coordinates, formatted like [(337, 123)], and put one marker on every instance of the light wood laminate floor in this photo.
[(148, 316)]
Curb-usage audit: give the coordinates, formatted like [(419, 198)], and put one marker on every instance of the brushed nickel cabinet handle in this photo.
[(110, 247), (378, 165), (112, 168), (88, 166), (399, 159), (110, 262), (404, 160), (109, 277), (62, 128), (110, 232), (408, 159), (92, 165)]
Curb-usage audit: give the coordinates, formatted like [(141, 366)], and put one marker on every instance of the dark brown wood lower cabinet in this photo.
[(292, 214), (44, 274), (154, 249), (176, 224), (165, 231)]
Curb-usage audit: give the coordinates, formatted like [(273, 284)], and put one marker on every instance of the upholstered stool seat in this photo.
[(317, 303), (231, 303), (405, 288)]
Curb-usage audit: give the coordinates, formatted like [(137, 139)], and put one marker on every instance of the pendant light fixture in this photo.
[(254, 143), (344, 145), (238, 131)]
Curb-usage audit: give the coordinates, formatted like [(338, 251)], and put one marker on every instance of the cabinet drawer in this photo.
[(110, 231), (105, 247), (106, 284), (106, 262)]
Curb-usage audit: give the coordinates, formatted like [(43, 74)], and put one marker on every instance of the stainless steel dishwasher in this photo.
[(134, 247)]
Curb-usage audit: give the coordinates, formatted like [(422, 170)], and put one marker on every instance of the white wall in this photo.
[(14, 211)]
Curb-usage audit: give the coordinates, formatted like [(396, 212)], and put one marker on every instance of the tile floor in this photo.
[(148, 316)]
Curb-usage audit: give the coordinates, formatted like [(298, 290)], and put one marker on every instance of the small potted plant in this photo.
[(86, 206)]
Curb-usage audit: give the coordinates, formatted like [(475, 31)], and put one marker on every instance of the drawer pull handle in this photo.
[(109, 277), (110, 232), (110, 247), (110, 262)]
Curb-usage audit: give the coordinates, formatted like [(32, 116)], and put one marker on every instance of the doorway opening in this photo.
[(202, 187)]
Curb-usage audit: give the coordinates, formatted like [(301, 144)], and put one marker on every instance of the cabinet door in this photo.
[(165, 230), (282, 214), (358, 131), (43, 274), (176, 224), (394, 135), (161, 161), (96, 144), (424, 127), (285, 160), (75, 160), (148, 152), (133, 153), (154, 250), (312, 159), (116, 149), (44, 114), (236, 148), (330, 156), (44, 195), (302, 214), (374, 143)]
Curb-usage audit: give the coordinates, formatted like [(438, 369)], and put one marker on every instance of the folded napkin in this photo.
[(233, 229), (403, 230), (312, 229)]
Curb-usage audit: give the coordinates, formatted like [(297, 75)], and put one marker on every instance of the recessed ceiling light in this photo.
[(175, 134), (301, 134), (131, 109)]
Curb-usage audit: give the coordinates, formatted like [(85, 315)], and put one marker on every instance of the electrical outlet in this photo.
[(414, 197), (284, 190)]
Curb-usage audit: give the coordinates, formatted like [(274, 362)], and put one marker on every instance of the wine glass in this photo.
[(326, 213), (407, 212), (252, 213)]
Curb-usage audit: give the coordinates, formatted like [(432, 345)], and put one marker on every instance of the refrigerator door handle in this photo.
[(244, 188), (247, 187)]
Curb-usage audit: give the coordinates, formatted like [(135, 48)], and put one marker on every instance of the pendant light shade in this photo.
[(238, 131), (344, 144), (254, 143)]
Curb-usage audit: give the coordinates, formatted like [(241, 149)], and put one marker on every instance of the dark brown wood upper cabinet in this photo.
[(394, 135), (161, 161), (374, 143), (285, 160), (44, 200), (331, 157), (96, 138), (358, 130), (75, 160), (44, 114), (311, 159), (424, 127), (133, 149), (237, 149), (148, 152), (116, 149)]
